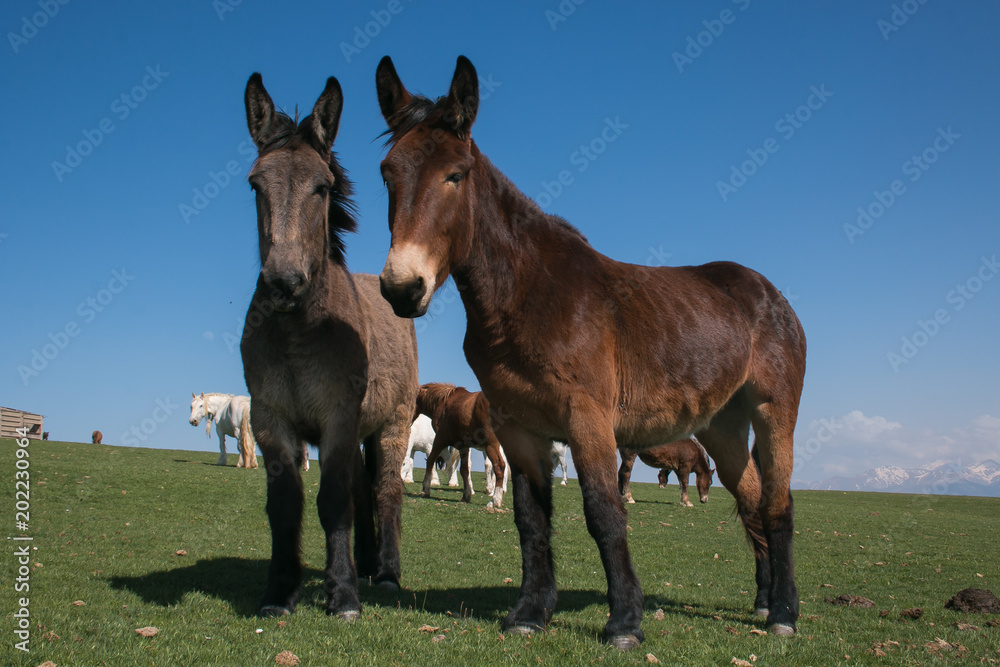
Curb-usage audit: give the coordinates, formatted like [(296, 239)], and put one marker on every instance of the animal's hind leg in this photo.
[(726, 441), (390, 449), (773, 427), (625, 476), (365, 538)]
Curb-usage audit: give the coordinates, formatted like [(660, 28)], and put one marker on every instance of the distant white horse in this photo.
[(231, 415), (558, 459), (422, 440)]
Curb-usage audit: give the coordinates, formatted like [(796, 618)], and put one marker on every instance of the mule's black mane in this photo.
[(342, 209)]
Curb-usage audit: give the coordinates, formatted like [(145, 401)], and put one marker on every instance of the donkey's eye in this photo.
[(455, 177), (322, 189)]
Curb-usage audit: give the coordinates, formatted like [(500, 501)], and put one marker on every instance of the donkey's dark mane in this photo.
[(342, 211)]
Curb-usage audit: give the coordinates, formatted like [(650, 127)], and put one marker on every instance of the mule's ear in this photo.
[(392, 96), (463, 98), (326, 114), (192, 395), (261, 118)]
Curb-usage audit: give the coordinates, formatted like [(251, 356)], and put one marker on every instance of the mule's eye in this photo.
[(455, 177)]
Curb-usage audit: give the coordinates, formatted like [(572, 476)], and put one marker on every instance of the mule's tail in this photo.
[(247, 445)]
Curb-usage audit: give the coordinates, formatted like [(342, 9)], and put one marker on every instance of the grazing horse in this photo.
[(461, 420), (231, 415), (422, 440), (682, 458), (96, 437), (325, 360), (569, 344)]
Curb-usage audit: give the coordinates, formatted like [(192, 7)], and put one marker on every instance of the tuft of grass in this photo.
[(108, 523)]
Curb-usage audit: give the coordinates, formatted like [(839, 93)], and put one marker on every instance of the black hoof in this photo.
[(624, 642), (782, 629), (388, 585)]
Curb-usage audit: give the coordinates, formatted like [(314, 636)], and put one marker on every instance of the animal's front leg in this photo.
[(682, 480), (284, 513), (340, 469), (222, 447), (594, 448), (462, 462), (441, 441), (531, 471)]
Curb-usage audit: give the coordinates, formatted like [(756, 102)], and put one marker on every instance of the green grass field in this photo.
[(108, 523)]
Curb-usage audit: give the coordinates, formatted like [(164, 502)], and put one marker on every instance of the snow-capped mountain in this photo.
[(940, 477)]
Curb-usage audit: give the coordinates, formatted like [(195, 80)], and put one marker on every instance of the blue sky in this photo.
[(845, 150)]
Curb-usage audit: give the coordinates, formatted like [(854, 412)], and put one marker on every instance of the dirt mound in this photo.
[(974, 600), (846, 600)]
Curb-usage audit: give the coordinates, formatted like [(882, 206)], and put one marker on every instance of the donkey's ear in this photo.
[(260, 111), (326, 114), (392, 96), (463, 98)]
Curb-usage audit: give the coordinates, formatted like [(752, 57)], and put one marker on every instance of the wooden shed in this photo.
[(11, 420)]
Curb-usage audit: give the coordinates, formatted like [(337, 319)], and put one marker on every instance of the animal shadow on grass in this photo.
[(488, 603), (221, 578), (226, 579)]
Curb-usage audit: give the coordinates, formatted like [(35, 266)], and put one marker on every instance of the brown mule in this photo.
[(598, 353), (96, 437), (325, 360), (681, 458), (461, 420)]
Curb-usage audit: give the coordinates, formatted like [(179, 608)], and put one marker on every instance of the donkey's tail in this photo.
[(247, 445)]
